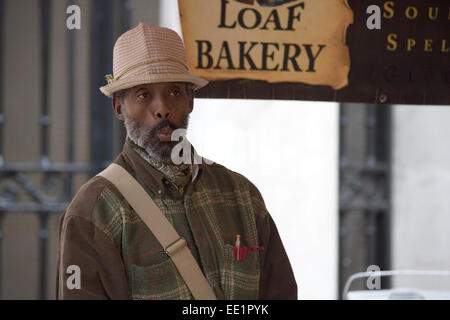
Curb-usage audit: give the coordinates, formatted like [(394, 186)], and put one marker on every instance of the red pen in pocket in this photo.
[(240, 252)]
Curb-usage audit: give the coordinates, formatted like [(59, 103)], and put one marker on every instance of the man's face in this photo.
[(151, 113)]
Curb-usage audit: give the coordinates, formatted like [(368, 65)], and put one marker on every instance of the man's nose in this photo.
[(161, 108)]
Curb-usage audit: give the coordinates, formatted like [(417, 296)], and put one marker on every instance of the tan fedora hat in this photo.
[(149, 54)]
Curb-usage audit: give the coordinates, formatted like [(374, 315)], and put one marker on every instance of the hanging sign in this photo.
[(271, 40), (372, 51)]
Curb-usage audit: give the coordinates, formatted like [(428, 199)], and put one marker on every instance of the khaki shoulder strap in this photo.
[(175, 246)]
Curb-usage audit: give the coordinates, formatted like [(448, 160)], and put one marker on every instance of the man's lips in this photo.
[(165, 134)]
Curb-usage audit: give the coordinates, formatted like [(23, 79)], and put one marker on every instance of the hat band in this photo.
[(110, 78)]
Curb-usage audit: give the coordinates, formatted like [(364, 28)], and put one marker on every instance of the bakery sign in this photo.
[(371, 51), (271, 40)]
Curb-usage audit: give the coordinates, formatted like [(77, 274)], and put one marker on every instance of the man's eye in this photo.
[(175, 93), (143, 95)]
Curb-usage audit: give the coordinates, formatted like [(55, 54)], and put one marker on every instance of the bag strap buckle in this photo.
[(176, 246)]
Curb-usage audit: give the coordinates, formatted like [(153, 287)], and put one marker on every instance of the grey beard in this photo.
[(149, 141)]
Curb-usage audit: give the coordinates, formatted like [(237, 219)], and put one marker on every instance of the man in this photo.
[(105, 240)]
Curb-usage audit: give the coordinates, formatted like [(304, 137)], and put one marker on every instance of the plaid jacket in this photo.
[(119, 258)]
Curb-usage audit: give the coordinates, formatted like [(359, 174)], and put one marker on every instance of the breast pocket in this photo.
[(240, 279), (160, 281)]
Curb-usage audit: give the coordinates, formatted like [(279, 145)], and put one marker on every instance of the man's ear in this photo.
[(118, 106)]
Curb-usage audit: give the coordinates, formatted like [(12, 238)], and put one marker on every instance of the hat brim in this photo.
[(133, 81)]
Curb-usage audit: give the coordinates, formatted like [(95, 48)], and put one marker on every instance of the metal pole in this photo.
[(1, 255), (345, 196), (383, 151), (378, 146), (45, 54), (43, 239), (125, 25), (101, 61), (45, 122), (342, 230), (371, 136), (371, 161), (2, 15), (71, 105), (342, 125)]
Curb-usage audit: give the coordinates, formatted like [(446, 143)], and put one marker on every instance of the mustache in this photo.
[(162, 124)]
